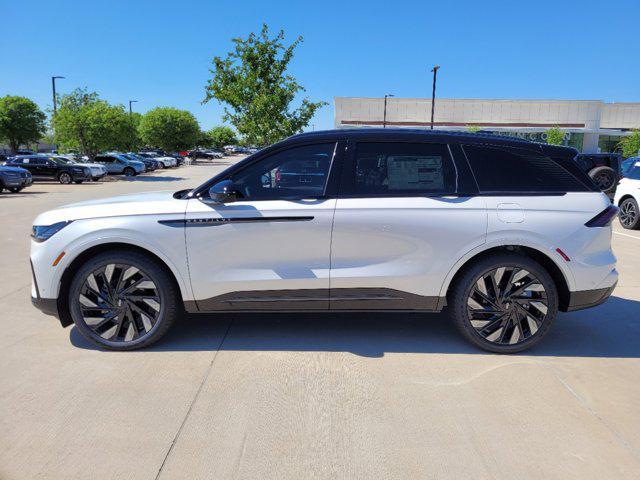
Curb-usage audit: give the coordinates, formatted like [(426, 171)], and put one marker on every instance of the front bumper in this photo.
[(20, 182)]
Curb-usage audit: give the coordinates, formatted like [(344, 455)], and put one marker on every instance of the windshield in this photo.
[(62, 161)]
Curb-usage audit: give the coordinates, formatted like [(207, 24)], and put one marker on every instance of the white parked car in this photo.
[(628, 197), (165, 162), (503, 232), (98, 171)]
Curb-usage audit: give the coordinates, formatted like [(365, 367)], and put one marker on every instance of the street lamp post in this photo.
[(130, 102), (433, 92), (384, 115), (55, 101)]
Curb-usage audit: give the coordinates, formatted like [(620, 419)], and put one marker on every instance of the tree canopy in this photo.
[(169, 128), (630, 144), (221, 136), (21, 121), (555, 136), (253, 82), (87, 123)]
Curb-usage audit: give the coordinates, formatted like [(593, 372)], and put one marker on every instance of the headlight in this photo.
[(40, 233)]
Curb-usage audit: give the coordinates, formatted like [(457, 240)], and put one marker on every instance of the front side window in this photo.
[(389, 169), (501, 169), (298, 172)]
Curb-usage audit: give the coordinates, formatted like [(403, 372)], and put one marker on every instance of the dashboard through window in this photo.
[(297, 172), (388, 169)]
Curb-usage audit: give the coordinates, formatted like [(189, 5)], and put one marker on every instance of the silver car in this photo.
[(118, 164)]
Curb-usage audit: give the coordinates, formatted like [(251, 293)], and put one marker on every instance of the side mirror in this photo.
[(223, 192)]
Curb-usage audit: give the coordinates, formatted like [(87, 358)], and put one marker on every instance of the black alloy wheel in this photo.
[(504, 303), (122, 301)]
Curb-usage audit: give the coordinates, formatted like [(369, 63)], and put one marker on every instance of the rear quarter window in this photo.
[(502, 169)]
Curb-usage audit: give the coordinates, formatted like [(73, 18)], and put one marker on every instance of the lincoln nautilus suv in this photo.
[(501, 233)]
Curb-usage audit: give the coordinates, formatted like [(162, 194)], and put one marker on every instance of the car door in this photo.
[(108, 162), (47, 167), (406, 213), (270, 249)]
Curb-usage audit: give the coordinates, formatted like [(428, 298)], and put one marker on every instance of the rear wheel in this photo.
[(629, 214), (65, 178), (123, 300), (605, 178), (504, 303)]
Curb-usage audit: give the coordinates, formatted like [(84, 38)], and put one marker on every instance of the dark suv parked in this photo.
[(51, 168)]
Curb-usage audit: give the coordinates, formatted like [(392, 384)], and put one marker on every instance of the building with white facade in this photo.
[(590, 125)]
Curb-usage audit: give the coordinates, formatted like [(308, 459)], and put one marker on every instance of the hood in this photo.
[(13, 169), (150, 203)]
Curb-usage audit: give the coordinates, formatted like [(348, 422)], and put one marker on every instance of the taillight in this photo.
[(604, 218)]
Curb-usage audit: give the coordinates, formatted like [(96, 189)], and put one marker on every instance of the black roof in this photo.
[(445, 136)]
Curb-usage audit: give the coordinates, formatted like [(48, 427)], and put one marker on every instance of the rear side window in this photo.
[(387, 169), (509, 169)]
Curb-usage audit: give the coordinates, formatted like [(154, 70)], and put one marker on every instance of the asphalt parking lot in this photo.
[(310, 396)]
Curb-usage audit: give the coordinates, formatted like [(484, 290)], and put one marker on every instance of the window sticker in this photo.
[(411, 172)]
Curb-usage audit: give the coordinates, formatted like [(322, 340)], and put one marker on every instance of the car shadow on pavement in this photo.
[(610, 330)]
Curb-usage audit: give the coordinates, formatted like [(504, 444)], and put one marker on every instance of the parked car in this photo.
[(603, 168), (208, 153), (149, 163), (501, 232), (14, 179), (165, 162), (98, 171), (45, 167), (118, 164), (627, 164), (628, 197)]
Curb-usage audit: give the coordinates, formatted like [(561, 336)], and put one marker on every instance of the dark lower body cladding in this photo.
[(589, 298)]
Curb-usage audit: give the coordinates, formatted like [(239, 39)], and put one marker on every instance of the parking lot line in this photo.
[(626, 235)]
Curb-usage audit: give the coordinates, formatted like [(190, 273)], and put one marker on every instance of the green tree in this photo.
[(555, 136), (221, 136), (21, 121), (253, 82), (630, 145), (91, 125), (474, 128), (169, 128)]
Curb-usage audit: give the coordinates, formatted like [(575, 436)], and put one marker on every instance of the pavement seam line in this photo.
[(626, 235), (14, 291), (625, 443), (193, 401)]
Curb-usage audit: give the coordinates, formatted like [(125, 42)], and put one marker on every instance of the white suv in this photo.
[(628, 196), (501, 232)]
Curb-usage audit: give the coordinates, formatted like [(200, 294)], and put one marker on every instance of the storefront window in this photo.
[(609, 144)]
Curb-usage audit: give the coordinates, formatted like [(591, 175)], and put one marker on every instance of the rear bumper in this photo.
[(589, 298)]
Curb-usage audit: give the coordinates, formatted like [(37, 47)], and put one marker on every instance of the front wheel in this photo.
[(14, 189), (64, 178), (629, 214), (123, 300), (504, 303), (129, 172)]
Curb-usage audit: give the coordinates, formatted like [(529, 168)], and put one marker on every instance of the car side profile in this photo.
[(51, 167), (117, 164), (501, 233), (628, 196), (164, 161), (14, 179)]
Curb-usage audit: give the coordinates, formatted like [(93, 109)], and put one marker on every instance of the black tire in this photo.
[(528, 321), (129, 172), (115, 315), (161, 166), (14, 189), (65, 178), (629, 215), (605, 178)]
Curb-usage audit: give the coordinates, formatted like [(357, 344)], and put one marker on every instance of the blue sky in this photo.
[(159, 52)]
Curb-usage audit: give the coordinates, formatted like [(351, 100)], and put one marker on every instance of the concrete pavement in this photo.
[(309, 396)]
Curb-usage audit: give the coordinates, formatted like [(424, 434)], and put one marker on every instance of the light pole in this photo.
[(384, 115), (55, 102), (433, 92), (130, 102)]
